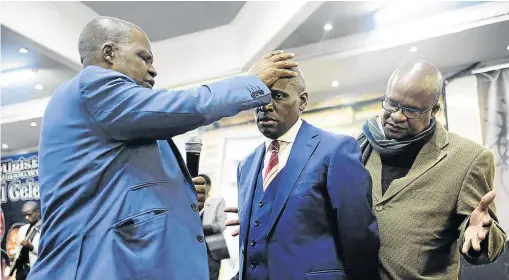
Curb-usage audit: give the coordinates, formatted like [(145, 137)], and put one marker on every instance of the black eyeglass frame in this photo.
[(405, 110)]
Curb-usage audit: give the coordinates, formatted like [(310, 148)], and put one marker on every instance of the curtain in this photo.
[(493, 90)]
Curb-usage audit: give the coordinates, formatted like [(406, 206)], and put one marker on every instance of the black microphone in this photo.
[(193, 150)]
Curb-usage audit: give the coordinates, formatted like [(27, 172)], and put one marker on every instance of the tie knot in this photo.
[(274, 146)]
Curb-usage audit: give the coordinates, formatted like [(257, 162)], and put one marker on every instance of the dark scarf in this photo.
[(373, 137)]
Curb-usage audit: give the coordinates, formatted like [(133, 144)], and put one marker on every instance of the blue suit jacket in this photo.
[(321, 226), (117, 200)]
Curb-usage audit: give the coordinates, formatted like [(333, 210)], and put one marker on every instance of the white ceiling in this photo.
[(163, 20), (50, 72), (359, 59)]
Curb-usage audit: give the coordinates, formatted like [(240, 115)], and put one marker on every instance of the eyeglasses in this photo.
[(409, 113)]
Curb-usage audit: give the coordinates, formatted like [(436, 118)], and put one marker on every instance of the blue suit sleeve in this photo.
[(127, 111), (349, 185)]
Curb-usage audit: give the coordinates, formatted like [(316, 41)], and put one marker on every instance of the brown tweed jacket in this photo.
[(422, 216)]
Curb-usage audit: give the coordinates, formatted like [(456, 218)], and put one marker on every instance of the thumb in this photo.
[(486, 200)]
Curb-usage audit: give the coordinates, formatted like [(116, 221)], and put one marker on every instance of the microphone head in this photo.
[(193, 145)]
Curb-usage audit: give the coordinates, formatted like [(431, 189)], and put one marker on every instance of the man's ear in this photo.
[(108, 52), (303, 101), (435, 109)]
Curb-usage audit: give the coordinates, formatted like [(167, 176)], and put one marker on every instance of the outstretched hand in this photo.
[(479, 224)]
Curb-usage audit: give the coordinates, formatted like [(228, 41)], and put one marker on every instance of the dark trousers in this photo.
[(214, 267), (22, 273)]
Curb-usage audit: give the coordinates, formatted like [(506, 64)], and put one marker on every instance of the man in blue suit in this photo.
[(304, 199), (117, 200)]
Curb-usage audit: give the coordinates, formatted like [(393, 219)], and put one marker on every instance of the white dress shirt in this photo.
[(285, 146), (22, 233)]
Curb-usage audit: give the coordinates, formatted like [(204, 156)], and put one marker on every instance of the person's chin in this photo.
[(394, 134), (267, 131)]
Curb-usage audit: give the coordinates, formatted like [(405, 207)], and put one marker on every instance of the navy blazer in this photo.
[(322, 225), (117, 200)]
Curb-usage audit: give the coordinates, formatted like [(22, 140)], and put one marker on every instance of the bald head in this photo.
[(31, 212), (101, 31), (411, 99), (417, 77), (120, 46)]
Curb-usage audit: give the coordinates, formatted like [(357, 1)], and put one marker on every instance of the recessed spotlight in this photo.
[(335, 84), (23, 51), (33, 124), (5, 146), (413, 49), (327, 27), (39, 87), (507, 48)]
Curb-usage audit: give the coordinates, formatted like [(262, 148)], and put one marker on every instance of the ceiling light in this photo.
[(413, 49), (39, 87), (23, 51), (16, 77), (5, 146), (33, 124), (335, 84), (327, 27), (507, 48)]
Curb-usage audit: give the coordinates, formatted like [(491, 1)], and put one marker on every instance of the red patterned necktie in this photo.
[(273, 163)]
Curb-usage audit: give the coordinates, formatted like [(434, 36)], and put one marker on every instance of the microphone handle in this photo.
[(192, 162)]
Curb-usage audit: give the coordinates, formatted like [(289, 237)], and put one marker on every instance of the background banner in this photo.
[(19, 184)]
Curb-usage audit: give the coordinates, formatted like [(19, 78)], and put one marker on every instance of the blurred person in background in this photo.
[(117, 199), (304, 198), (213, 221), (432, 189), (27, 241)]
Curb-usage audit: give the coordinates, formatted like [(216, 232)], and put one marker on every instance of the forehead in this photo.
[(139, 40), (286, 85), (419, 95), (28, 210)]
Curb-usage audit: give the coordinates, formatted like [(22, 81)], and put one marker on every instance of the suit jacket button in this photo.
[(379, 208), (261, 203), (199, 238), (253, 265), (194, 207), (253, 243), (257, 223)]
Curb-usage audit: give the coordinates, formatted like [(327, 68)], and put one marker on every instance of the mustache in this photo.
[(262, 118), (395, 126)]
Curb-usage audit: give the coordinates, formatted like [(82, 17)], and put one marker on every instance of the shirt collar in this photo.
[(289, 136)]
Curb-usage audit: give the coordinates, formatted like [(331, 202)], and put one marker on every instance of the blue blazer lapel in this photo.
[(246, 191), (305, 144), (181, 162)]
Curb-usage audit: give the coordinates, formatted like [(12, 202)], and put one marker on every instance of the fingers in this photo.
[(281, 57), (286, 64), (476, 243), (234, 222), (486, 200), (466, 244), (482, 233), (486, 221), (272, 53), (235, 232), (199, 180), (201, 198), (282, 73), (200, 205), (231, 210), (200, 189)]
